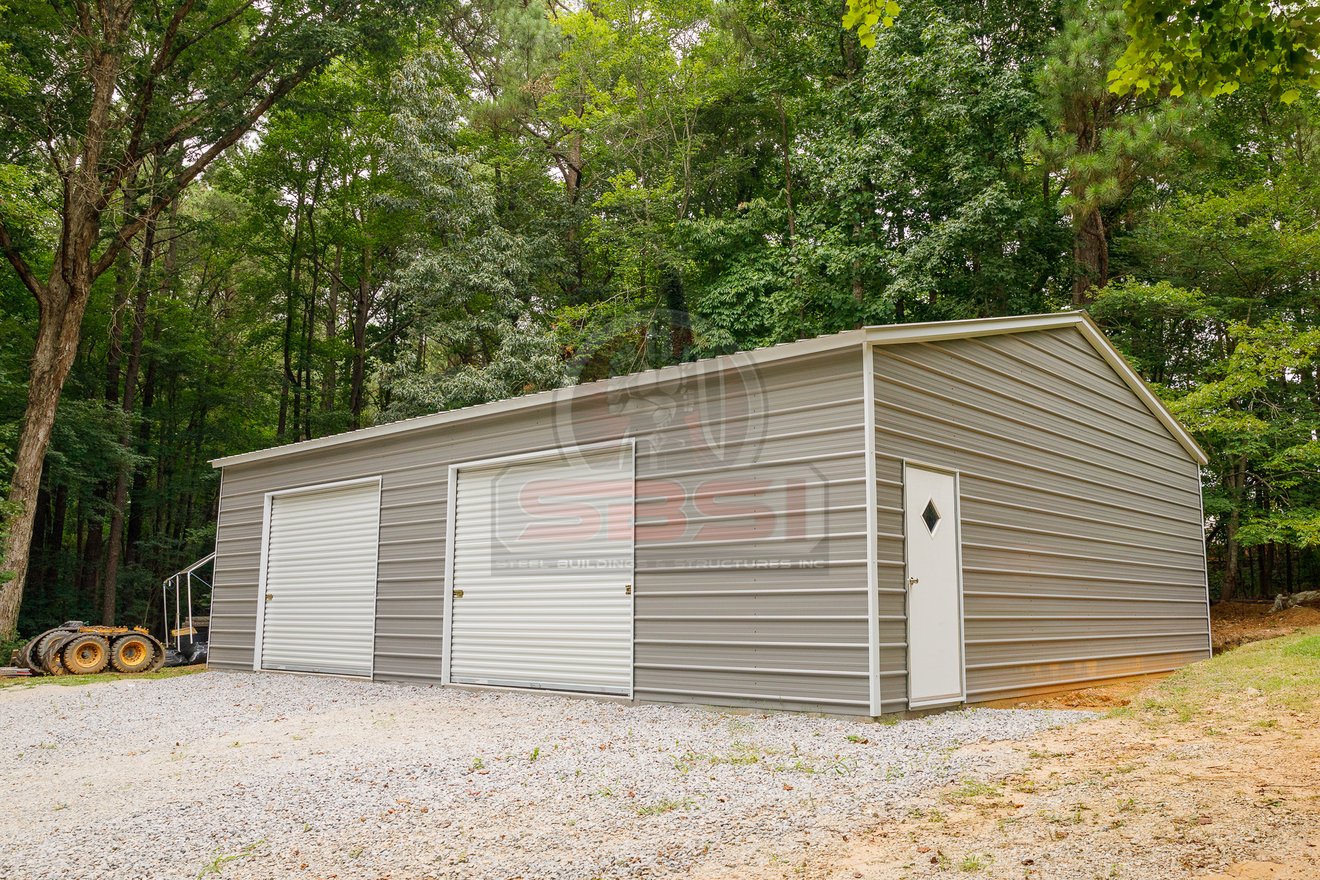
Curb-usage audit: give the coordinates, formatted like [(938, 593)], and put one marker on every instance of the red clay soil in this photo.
[(1231, 624), (1236, 623)]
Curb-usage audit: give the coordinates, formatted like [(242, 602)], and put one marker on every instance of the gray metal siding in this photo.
[(1082, 532), (758, 610)]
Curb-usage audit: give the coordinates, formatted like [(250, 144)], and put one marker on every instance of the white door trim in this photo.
[(872, 531), (265, 559), (450, 520), (907, 611)]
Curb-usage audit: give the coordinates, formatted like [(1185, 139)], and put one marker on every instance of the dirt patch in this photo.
[(1227, 791), (1108, 800), (1237, 623), (1109, 695), (1232, 624)]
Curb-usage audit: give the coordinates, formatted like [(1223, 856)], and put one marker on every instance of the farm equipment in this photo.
[(78, 648)]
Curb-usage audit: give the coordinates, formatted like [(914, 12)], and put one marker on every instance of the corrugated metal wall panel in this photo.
[(787, 436), (1044, 675), (1083, 559)]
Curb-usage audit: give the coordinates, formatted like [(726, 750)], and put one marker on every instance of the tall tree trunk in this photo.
[(361, 314), (1090, 258), (680, 322), (114, 540), (1232, 583), (305, 350), (58, 323), (287, 381), (329, 377), (786, 148), (124, 276), (59, 513)]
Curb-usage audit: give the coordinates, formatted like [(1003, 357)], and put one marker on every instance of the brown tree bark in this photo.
[(59, 321), (1090, 258), (59, 513)]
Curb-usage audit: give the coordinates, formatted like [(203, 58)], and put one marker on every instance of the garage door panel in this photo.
[(321, 580), (543, 558)]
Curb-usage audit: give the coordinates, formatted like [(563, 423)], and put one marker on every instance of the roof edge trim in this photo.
[(803, 348)]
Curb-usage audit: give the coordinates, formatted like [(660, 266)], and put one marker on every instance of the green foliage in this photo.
[(863, 16), (1213, 46), (1218, 308)]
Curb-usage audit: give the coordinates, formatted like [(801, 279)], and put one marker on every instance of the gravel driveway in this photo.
[(265, 776)]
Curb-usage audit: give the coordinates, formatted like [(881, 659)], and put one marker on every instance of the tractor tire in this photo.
[(85, 654), (132, 653), (31, 657), (47, 652), (158, 659)]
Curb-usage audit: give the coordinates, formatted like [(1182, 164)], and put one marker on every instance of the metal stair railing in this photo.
[(181, 582)]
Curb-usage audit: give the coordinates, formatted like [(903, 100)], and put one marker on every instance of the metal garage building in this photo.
[(885, 519)]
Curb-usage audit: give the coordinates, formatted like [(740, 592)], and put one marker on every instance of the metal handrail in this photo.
[(181, 581)]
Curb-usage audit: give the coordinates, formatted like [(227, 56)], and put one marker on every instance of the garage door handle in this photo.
[(270, 596), (458, 594)]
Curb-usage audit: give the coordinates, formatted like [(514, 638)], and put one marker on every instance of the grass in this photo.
[(100, 677), (217, 865), (973, 863), (971, 790), (739, 754), (1283, 672), (662, 806)]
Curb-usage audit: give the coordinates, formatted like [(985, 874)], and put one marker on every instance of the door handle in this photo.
[(627, 589), (270, 596), (912, 582), (458, 594)]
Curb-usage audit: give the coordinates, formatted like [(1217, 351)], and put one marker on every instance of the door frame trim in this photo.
[(875, 693), (451, 519), (378, 480), (907, 592)]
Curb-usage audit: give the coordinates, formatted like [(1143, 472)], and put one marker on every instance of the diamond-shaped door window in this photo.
[(931, 516)]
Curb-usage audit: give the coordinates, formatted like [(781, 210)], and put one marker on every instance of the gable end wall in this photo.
[(1083, 554)]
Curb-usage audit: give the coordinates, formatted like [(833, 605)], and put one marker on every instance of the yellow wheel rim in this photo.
[(131, 654), (88, 655)]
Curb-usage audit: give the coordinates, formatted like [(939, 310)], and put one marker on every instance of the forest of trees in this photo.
[(452, 203)]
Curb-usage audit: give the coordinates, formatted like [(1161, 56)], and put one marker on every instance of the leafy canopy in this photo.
[(1206, 47), (863, 16), (1211, 47)]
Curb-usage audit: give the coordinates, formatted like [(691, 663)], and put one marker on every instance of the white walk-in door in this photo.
[(319, 596), (934, 607), (542, 568)]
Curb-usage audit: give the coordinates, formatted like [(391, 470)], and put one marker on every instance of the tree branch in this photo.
[(20, 265), (163, 58), (185, 177)]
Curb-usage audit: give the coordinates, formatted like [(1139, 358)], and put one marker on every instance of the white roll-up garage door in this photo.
[(542, 573), (319, 607)]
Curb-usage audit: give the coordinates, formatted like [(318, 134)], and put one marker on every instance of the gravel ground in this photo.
[(263, 776)]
